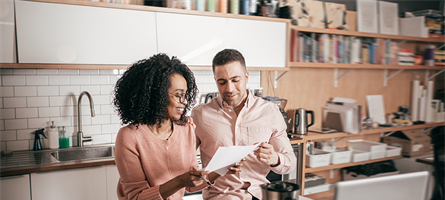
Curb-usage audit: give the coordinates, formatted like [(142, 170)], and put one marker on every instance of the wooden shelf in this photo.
[(324, 136), (329, 167), (362, 34), (104, 66), (358, 66)]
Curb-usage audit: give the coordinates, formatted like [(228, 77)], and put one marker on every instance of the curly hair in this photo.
[(141, 94), (226, 56)]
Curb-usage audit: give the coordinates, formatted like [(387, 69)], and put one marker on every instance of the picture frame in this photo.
[(367, 16), (388, 18)]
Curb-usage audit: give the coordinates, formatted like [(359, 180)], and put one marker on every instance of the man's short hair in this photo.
[(227, 56)]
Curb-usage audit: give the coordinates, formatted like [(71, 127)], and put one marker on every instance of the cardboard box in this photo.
[(413, 142)]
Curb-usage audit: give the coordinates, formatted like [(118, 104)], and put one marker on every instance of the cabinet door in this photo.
[(61, 33), (112, 180), (7, 30), (73, 184), (193, 39), (262, 43), (15, 187)]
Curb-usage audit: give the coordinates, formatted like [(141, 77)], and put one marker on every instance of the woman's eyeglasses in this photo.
[(182, 98)]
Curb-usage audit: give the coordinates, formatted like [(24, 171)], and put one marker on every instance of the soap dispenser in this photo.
[(53, 136), (37, 144)]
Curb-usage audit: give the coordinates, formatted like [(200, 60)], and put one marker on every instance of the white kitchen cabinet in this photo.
[(72, 184), (112, 180), (76, 34), (7, 30), (193, 39), (262, 43), (15, 187)]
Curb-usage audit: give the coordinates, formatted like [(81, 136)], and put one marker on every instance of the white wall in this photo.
[(31, 98)]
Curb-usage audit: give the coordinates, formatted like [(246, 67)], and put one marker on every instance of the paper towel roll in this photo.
[(415, 100), (429, 97), (422, 105)]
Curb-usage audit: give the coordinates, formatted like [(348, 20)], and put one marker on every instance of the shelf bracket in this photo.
[(390, 133), (336, 77), (425, 130), (386, 78), (281, 75), (434, 74)]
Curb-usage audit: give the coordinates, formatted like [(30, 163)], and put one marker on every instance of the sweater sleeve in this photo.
[(132, 176)]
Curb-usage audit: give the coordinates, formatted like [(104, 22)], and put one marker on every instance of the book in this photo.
[(234, 6), (336, 16), (293, 46), (222, 6)]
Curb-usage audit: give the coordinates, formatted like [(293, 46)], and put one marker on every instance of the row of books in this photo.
[(327, 48)]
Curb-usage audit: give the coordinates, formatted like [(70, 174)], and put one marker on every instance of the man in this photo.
[(236, 117)]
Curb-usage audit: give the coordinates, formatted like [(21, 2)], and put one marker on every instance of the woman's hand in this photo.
[(236, 168), (191, 178)]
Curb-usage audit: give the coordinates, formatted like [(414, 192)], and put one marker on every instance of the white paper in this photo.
[(376, 110), (227, 156)]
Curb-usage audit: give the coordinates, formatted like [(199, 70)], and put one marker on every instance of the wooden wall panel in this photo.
[(310, 88)]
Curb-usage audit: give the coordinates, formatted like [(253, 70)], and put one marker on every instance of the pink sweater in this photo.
[(145, 162)]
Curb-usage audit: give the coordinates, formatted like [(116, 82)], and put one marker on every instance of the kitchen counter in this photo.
[(57, 159)]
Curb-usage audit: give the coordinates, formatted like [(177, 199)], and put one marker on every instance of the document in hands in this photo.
[(227, 156)]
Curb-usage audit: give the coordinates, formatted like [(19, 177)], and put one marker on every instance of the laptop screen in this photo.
[(409, 186)]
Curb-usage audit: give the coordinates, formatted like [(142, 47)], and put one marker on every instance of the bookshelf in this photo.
[(360, 66), (329, 167)]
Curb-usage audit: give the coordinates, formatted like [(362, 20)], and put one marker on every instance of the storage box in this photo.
[(393, 151), (311, 180), (341, 156), (377, 154), (319, 159), (369, 146), (354, 176), (359, 156), (413, 142)]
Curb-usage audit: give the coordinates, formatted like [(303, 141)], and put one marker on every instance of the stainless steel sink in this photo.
[(84, 153), (49, 156)]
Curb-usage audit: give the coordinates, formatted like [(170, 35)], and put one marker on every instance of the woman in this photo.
[(156, 152)]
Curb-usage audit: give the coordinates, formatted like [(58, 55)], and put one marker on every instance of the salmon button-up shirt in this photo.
[(217, 125)]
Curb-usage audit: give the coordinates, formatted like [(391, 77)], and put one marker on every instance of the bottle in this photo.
[(64, 141), (37, 144), (53, 136)]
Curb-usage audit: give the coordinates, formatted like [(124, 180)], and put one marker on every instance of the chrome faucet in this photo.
[(80, 138)]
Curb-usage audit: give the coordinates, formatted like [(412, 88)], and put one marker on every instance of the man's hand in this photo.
[(236, 168), (266, 154)]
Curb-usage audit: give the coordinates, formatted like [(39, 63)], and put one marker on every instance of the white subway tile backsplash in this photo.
[(63, 121), (254, 73), (113, 138), (106, 89), (5, 71), (196, 72), (209, 87), (13, 80), (101, 139), (26, 134), (89, 71), (6, 91), (14, 124), (107, 109), (100, 100), (68, 111), (17, 102), (47, 90), (69, 90), (37, 101), (38, 122), (122, 71), (92, 89), (26, 113), (80, 80), (100, 119), (23, 71), (203, 79), (91, 129), (86, 109), (2, 125), (47, 71), (7, 113), (86, 120), (36, 80), (17, 145), (113, 79), (110, 128), (68, 71), (8, 135), (208, 72), (1, 80), (25, 91), (49, 112), (99, 80), (58, 80), (115, 119), (61, 101), (254, 79), (1, 102), (109, 71)]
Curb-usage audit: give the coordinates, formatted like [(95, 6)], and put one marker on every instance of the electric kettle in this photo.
[(300, 122)]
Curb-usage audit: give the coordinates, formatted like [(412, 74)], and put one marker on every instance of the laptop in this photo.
[(409, 186)]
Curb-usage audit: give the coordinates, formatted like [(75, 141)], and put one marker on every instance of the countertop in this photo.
[(53, 166)]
